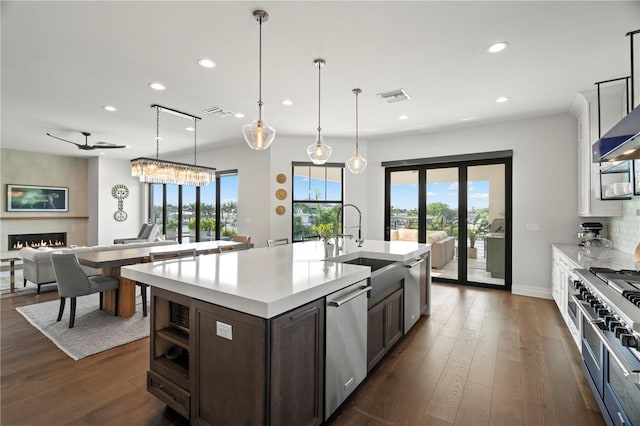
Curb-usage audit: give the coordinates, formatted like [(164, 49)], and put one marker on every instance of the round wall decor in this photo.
[(281, 178), (281, 194), (281, 210), (120, 192)]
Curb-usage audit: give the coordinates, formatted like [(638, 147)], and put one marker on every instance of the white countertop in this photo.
[(586, 257), (268, 281)]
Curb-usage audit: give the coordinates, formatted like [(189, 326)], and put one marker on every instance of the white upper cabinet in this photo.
[(585, 109)]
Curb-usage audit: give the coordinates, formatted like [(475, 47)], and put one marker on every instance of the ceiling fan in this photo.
[(86, 146)]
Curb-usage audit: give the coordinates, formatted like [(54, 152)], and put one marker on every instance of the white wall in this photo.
[(103, 174), (544, 184)]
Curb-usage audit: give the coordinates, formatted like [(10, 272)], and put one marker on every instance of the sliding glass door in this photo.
[(462, 209)]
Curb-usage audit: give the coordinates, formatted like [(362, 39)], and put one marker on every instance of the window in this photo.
[(188, 214), (317, 196)]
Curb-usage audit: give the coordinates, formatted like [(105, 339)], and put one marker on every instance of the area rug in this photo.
[(94, 330), (5, 285)]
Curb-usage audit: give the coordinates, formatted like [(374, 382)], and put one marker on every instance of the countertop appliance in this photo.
[(609, 303), (346, 343)]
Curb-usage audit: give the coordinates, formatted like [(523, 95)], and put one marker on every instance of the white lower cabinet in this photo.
[(561, 278)]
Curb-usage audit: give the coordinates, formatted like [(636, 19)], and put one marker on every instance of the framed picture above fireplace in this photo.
[(27, 198)]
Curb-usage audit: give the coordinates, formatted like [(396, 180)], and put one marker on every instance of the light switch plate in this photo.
[(533, 226), (224, 330)]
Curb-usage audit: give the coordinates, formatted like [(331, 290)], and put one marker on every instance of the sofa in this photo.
[(442, 245), (37, 266)]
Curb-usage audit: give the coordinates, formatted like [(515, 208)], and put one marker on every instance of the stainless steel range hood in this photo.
[(622, 142)]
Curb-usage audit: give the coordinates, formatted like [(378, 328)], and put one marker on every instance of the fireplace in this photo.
[(48, 239)]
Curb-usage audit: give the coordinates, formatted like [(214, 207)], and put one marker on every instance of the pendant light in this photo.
[(258, 133), (318, 151), (356, 164)]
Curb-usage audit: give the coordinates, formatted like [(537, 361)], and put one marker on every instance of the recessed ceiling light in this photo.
[(158, 138), (110, 108), (502, 99), (497, 47), (402, 117), (157, 86), (206, 63), (287, 102), (239, 115), (190, 129), (467, 118)]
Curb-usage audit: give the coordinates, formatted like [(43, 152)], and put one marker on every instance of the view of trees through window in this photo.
[(317, 197), (208, 209)]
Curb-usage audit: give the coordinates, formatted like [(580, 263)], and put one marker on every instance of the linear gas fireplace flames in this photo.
[(49, 239)]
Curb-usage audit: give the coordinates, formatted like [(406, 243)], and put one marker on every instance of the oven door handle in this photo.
[(628, 372)]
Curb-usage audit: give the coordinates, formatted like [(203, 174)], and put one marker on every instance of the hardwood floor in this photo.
[(484, 357)]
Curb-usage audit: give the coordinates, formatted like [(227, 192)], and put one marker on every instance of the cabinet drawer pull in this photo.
[(622, 422)]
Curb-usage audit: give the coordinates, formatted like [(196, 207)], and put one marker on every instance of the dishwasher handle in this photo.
[(416, 263), (348, 297)]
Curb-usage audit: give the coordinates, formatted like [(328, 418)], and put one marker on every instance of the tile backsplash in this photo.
[(624, 231)]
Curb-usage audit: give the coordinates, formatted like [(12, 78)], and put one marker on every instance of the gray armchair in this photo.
[(148, 232), (73, 282)]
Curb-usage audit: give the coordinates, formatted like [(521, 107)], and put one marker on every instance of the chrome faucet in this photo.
[(359, 240)]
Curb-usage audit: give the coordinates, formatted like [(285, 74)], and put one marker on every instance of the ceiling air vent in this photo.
[(394, 96), (219, 112)]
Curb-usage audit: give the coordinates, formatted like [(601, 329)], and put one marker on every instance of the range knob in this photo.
[(602, 312), (608, 319), (578, 285), (629, 340), (620, 330), (614, 324)]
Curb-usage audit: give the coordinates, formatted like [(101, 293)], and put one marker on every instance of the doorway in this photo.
[(462, 208)]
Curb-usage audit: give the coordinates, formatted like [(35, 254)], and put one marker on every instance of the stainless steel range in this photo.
[(609, 305)]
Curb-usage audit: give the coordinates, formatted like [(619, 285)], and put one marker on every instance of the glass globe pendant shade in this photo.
[(258, 134), (319, 152), (356, 164)]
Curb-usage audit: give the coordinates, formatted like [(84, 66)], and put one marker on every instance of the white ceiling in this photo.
[(63, 61)]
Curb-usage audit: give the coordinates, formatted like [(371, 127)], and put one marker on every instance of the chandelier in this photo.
[(150, 170)]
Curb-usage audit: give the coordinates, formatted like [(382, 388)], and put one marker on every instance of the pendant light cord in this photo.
[(260, 74), (195, 138), (157, 132), (319, 68), (357, 92)]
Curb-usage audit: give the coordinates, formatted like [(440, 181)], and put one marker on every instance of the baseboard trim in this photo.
[(527, 290)]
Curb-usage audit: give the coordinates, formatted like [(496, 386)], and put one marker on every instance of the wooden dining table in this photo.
[(110, 261)]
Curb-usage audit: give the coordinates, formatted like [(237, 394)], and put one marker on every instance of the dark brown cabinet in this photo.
[(228, 373), (385, 327), (214, 365), (297, 366)]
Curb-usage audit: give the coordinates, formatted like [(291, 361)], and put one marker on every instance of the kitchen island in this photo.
[(240, 337)]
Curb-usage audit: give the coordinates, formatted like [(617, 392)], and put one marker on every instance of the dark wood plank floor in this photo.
[(484, 357)]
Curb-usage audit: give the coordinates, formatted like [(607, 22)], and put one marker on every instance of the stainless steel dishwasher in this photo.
[(412, 292), (346, 345)]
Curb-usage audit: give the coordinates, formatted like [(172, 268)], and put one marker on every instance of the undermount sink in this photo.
[(374, 264)]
